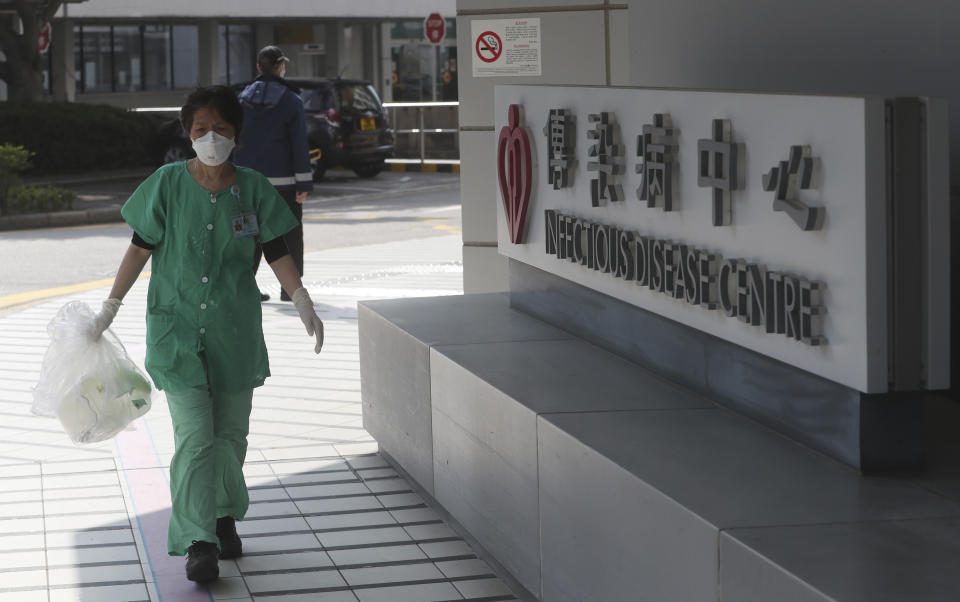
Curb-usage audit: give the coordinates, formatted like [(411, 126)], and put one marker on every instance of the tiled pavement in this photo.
[(329, 519)]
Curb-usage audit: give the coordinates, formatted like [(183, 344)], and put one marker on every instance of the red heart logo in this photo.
[(514, 173)]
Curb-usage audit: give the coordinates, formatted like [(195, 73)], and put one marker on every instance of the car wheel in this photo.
[(318, 171), (368, 170), (177, 152)]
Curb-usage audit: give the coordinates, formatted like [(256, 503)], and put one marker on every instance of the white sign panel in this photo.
[(505, 47), (757, 218)]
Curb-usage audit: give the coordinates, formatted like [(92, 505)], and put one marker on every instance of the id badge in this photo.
[(244, 223)]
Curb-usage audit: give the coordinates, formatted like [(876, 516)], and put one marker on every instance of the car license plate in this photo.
[(367, 123)]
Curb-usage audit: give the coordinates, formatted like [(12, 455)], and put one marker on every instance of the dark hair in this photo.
[(219, 98)]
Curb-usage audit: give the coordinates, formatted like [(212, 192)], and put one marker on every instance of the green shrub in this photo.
[(73, 137), (39, 199), (13, 161)]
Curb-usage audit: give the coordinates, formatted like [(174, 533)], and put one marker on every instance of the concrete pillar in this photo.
[(64, 67), (208, 67), (385, 82)]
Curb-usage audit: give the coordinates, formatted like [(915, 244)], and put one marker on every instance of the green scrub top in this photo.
[(203, 304)]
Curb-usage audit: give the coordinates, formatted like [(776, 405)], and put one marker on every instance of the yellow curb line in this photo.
[(21, 300)]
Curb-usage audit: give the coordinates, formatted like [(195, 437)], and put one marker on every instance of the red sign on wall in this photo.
[(514, 173), (43, 38), (435, 27)]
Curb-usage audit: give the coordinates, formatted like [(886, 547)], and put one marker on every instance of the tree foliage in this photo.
[(22, 69)]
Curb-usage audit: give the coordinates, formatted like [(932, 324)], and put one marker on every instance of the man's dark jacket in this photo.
[(274, 136)]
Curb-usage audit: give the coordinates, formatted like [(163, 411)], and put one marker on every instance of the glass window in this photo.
[(318, 99), (186, 70), (236, 53), (96, 59), (359, 97), (127, 65), (156, 56), (78, 57)]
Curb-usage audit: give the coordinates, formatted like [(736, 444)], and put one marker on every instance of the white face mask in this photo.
[(213, 149)]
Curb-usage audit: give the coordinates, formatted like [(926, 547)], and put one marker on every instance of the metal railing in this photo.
[(425, 132)]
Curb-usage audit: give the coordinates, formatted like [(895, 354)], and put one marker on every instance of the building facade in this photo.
[(138, 54)]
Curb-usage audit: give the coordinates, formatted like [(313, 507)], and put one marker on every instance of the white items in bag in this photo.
[(92, 386)]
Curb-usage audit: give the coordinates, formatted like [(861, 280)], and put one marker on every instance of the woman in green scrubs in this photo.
[(199, 220)]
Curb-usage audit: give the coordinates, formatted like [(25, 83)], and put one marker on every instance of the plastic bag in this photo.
[(91, 386)]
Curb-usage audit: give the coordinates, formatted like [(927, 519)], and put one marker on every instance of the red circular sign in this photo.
[(43, 37), (435, 28), (489, 46)]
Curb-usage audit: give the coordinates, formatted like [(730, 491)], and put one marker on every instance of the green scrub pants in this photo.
[(206, 473)]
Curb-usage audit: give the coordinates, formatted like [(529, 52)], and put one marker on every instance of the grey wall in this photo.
[(885, 47), (575, 39)]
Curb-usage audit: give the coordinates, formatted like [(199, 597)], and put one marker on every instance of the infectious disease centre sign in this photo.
[(758, 218)]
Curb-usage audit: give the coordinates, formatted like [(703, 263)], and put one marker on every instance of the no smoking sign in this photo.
[(505, 47), (489, 46)]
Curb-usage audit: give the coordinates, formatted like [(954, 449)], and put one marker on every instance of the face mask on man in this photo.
[(213, 149)]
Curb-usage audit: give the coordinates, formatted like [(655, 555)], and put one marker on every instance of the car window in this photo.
[(359, 97), (317, 99)]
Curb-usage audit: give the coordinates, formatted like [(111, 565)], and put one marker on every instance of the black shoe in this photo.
[(202, 565), (230, 544), (264, 297), (284, 296)]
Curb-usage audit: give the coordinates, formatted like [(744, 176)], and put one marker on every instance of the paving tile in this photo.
[(318, 477), (20, 559), (19, 470), (434, 531), (372, 461), (342, 521), (33, 595), (298, 541), (83, 522), (272, 525), (306, 491), (480, 588), (464, 568), (446, 549), (229, 588), (21, 542), (25, 579), (430, 592), (229, 568), (387, 485), (21, 525), (67, 481), (270, 494), (347, 449), (83, 493), (295, 453), (363, 556), (104, 593), (95, 574), (294, 581), (105, 504), (280, 562), (75, 466), (339, 596), (415, 515), (377, 473), (14, 496), (400, 499), (76, 556), (362, 536), (391, 574), (66, 539), (15, 510), (272, 509), (347, 504)]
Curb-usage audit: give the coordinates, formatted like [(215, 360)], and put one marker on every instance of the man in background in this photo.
[(273, 141)]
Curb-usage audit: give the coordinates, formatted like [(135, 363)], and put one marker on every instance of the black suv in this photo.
[(346, 126), (347, 123)]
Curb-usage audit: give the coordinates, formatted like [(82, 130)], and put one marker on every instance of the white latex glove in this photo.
[(104, 319), (304, 304)]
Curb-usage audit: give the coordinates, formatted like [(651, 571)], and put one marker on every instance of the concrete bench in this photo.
[(590, 478)]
